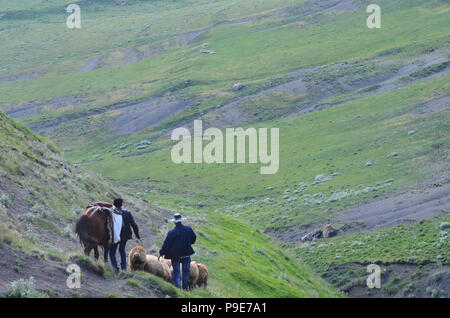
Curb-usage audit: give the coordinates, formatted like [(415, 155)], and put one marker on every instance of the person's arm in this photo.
[(193, 236), (166, 245), (134, 226)]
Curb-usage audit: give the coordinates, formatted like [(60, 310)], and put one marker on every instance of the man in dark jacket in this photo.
[(125, 235), (177, 247)]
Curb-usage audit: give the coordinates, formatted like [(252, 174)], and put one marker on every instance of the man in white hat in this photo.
[(177, 247)]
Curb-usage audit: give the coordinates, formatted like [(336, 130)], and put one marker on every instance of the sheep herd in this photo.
[(139, 260)]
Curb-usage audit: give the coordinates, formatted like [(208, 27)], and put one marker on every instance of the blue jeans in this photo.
[(186, 268), (123, 255)]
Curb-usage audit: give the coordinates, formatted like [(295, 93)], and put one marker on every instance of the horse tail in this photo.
[(81, 230)]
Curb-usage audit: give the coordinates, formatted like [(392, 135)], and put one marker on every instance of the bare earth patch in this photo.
[(91, 64), (20, 77), (50, 275), (146, 113), (404, 208)]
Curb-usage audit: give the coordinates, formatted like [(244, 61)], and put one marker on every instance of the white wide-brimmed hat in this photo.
[(177, 218)]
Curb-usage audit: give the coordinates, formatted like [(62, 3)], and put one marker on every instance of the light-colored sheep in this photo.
[(193, 275), (155, 267), (168, 262), (138, 260), (167, 272)]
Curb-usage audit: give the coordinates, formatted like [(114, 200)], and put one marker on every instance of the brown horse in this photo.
[(92, 231)]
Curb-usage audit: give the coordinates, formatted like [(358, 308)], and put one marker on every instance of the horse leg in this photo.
[(87, 250), (106, 249), (96, 254)]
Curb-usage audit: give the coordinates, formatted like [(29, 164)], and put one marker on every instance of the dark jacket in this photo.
[(128, 223), (178, 242)]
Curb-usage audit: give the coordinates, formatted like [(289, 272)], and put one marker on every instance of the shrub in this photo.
[(12, 168), (69, 232), (5, 200), (437, 277), (24, 289), (133, 283), (27, 217), (427, 71), (6, 235), (41, 211)]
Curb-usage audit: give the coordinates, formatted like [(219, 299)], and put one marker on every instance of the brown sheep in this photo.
[(136, 258), (203, 276)]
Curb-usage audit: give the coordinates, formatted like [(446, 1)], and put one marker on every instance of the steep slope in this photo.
[(41, 196)]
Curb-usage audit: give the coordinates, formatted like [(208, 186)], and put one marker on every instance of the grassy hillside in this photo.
[(42, 196), (363, 116), (414, 259), (343, 140)]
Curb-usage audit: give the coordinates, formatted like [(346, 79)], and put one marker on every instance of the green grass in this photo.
[(247, 264), (6, 235), (281, 47), (430, 70), (340, 139), (277, 275), (342, 260), (24, 289), (133, 283), (158, 285), (138, 23), (420, 243)]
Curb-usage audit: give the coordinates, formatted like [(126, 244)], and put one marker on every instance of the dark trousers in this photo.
[(186, 268), (123, 255)]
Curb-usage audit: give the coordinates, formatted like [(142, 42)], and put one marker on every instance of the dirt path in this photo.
[(50, 275), (20, 77)]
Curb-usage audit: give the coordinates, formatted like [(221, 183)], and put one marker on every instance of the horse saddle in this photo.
[(113, 223)]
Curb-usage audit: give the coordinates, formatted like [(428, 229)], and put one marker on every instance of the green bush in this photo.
[(5, 200), (24, 289), (6, 235), (41, 211), (437, 277)]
